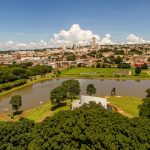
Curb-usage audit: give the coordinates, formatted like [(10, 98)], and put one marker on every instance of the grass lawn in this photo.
[(102, 73), (127, 103), (39, 113), (36, 113), (87, 72)]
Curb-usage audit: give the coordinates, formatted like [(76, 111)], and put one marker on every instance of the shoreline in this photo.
[(29, 82), (39, 113), (49, 77), (104, 78), (104, 73)]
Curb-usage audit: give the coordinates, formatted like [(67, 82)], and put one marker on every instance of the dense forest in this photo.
[(89, 127)]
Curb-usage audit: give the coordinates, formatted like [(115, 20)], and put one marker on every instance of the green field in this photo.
[(127, 103), (103, 73), (38, 113)]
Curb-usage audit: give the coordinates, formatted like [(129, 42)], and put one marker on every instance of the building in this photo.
[(93, 43), (74, 47), (86, 99)]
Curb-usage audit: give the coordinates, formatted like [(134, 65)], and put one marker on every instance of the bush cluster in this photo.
[(89, 127)]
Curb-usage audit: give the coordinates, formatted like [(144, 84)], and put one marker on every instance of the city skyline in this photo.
[(26, 24)]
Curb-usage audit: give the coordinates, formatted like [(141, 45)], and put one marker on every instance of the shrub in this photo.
[(137, 70), (116, 76), (9, 85), (102, 76)]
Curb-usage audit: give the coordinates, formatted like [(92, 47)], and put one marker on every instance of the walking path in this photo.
[(120, 110)]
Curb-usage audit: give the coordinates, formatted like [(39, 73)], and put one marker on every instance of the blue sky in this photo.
[(33, 20)]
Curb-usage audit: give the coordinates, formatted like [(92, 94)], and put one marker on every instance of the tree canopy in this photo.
[(90, 89), (68, 89), (118, 60), (88, 127), (71, 57), (72, 88), (144, 108), (58, 94), (21, 71), (137, 70), (16, 102)]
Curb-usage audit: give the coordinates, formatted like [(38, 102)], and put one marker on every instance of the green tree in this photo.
[(39, 70), (71, 58), (144, 108), (88, 127), (123, 65), (72, 88), (90, 89), (79, 65), (57, 73), (148, 92), (145, 66), (119, 52), (58, 95), (16, 102), (118, 60), (135, 51), (103, 65), (137, 70), (20, 72), (98, 65)]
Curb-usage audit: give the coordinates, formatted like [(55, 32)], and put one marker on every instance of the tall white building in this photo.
[(93, 43)]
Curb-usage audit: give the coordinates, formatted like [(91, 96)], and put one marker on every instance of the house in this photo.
[(86, 99)]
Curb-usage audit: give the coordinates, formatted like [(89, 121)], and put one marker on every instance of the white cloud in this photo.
[(133, 39), (21, 45), (18, 45), (8, 45), (32, 44), (75, 35), (42, 43), (9, 42), (14, 45), (107, 40)]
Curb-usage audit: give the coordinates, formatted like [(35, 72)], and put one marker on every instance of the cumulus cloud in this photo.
[(75, 35), (19, 45), (9, 42), (133, 39), (107, 40)]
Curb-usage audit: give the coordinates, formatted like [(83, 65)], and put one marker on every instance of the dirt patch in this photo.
[(120, 110)]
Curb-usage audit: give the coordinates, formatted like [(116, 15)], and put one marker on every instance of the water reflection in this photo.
[(137, 80), (33, 95)]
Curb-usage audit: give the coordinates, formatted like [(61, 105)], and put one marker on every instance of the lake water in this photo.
[(34, 94)]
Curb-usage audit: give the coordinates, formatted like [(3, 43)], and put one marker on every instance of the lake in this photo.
[(34, 94)]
